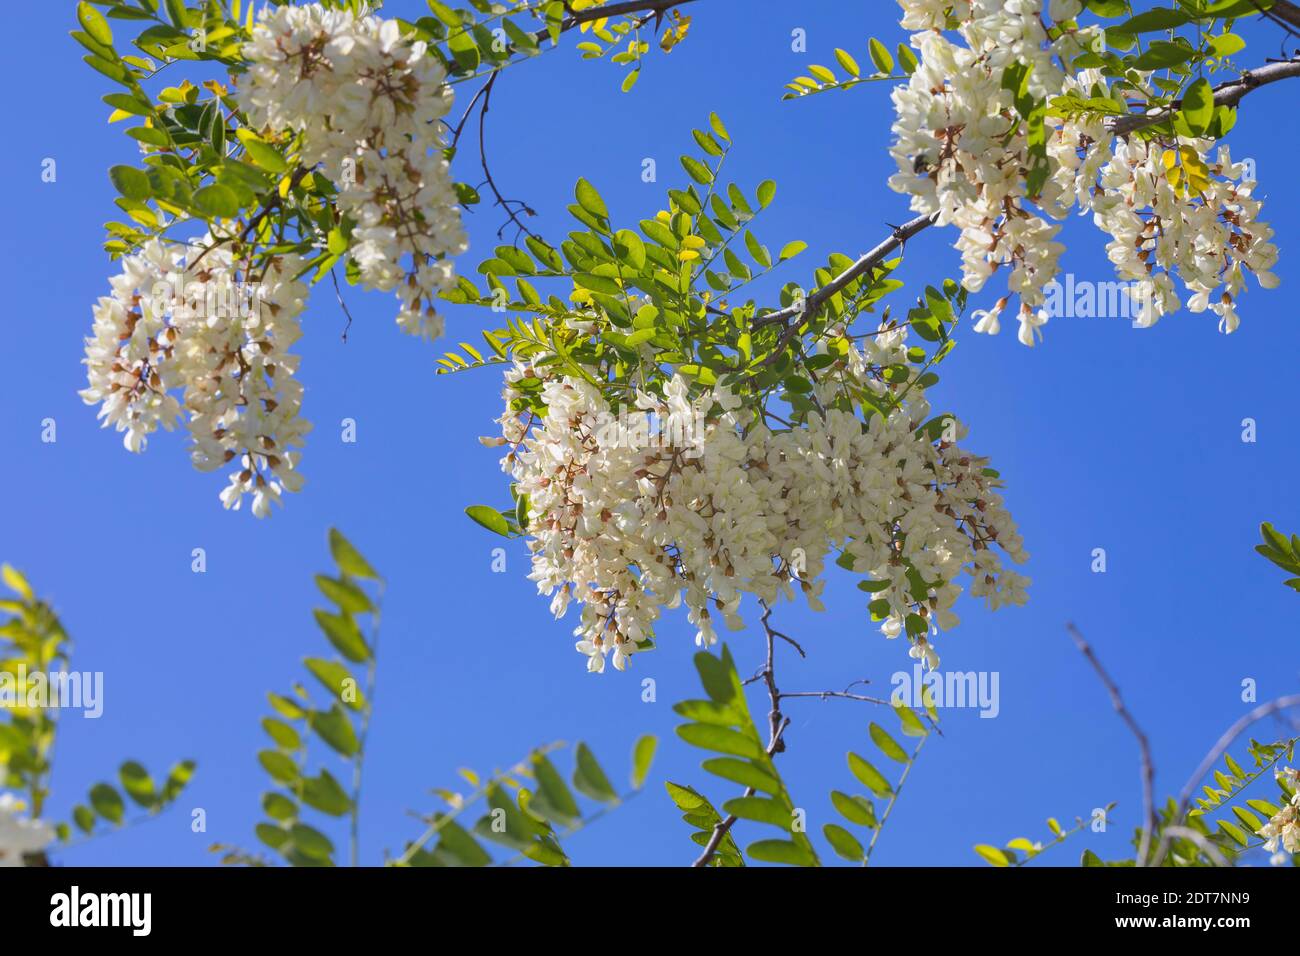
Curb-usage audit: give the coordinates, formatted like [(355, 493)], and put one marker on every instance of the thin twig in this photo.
[(1144, 745), (338, 294)]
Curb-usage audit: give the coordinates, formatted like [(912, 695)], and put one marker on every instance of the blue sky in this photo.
[(1107, 436)]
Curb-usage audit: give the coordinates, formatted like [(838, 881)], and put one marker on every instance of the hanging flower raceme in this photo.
[(188, 329), (697, 505), (204, 330), (966, 157), (367, 104)]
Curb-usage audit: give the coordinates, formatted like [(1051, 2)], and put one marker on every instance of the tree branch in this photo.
[(1225, 94), (1148, 767), (865, 263), (776, 727)]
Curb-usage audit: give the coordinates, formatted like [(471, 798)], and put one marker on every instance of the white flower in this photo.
[(988, 321), (19, 835), (964, 157), (368, 105), (1030, 322), (703, 513)]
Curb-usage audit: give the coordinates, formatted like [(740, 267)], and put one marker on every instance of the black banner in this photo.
[(335, 906)]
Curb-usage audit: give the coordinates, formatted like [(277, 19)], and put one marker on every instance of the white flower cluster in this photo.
[(367, 104), (1283, 829), (193, 321), (706, 508), (20, 835), (964, 156)]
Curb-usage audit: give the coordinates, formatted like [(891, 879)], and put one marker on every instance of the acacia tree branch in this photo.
[(1284, 11), (813, 303), (1144, 745), (1225, 94), (777, 724)]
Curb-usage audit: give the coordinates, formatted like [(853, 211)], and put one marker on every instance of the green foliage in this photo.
[(530, 808), (1282, 551), (820, 78), (1022, 850), (34, 649), (308, 799), (722, 724), (859, 809)]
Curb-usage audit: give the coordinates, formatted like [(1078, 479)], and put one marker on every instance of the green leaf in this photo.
[(554, 800), (697, 170), (792, 249), (1198, 106), (279, 807), (216, 201), (344, 634), (720, 740), (590, 200), (1235, 832), (325, 794), (993, 855), (843, 842), (643, 755), (93, 22), (781, 851), (744, 773), (138, 784), (869, 776), (284, 736), (912, 726), (107, 802), (762, 809), (589, 778), (130, 182), (311, 842), (887, 744), (880, 56), (854, 809), (263, 154), (334, 727), (281, 768), (338, 680), (489, 518), (348, 558), (349, 598), (766, 193)]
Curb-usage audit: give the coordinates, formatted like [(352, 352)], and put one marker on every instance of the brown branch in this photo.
[(777, 724), (1283, 12), (1148, 767), (1225, 94), (864, 264)]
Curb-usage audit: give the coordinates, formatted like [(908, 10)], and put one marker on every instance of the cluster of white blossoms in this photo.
[(20, 835), (189, 329), (701, 508), (964, 156), (1282, 832), (367, 104)]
